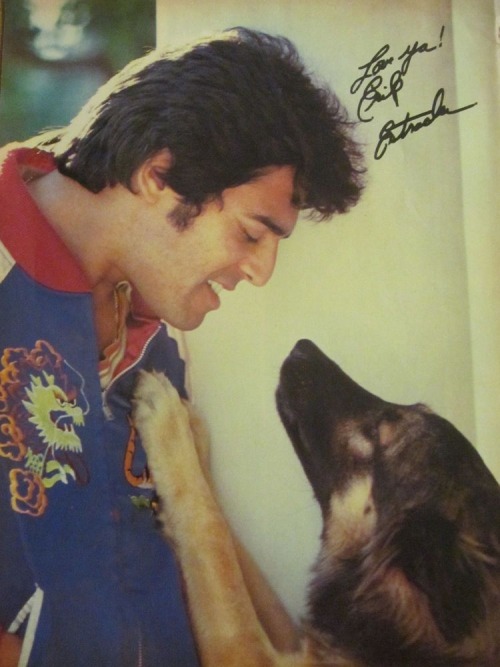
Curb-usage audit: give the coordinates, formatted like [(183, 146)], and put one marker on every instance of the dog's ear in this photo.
[(433, 558)]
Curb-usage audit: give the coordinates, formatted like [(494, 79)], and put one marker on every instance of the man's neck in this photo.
[(80, 218)]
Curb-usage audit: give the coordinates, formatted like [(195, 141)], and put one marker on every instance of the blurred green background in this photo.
[(56, 53)]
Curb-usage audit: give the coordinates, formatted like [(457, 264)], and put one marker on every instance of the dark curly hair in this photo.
[(225, 108)]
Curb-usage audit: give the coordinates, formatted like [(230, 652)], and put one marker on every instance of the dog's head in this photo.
[(410, 559)]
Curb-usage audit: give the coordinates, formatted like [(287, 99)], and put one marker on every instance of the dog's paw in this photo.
[(157, 409), (153, 393)]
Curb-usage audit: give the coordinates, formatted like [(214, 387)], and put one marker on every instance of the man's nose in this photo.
[(259, 265)]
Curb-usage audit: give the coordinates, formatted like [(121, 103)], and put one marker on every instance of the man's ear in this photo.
[(148, 179)]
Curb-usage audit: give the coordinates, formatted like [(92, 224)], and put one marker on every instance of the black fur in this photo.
[(435, 539), (225, 108)]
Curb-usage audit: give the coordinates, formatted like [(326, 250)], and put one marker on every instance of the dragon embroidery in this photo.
[(42, 404)]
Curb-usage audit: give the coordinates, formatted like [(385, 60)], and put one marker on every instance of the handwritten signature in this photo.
[(393, 132), (382, 79), (375, 83)]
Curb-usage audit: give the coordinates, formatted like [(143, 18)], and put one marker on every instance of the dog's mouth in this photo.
[(316, 402)]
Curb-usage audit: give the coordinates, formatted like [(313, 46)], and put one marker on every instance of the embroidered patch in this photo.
[(143, 480), (42, 403)]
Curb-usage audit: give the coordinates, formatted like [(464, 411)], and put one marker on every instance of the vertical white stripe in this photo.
[(497, 20), (36, 602), (6, 261)]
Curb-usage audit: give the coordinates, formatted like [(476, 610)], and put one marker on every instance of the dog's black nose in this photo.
[(305, 352), (305, 348)]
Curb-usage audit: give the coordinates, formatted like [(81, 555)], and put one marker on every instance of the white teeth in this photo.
[(217, 287)]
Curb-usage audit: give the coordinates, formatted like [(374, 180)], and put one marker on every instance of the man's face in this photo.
[(179, 272)]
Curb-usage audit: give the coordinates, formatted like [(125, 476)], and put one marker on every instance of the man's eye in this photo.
[(250, 238)]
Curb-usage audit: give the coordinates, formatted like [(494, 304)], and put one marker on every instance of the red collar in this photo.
[(26, 233)]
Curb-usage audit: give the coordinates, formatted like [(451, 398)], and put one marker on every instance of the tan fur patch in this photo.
[(352, 518)]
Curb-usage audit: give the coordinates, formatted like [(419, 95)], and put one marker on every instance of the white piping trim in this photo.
[(32, 608), (6, 262)]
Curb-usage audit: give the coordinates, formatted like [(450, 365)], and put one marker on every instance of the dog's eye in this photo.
[(391, 415), (381, 429)]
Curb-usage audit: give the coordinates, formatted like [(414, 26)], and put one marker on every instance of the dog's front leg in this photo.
[(271, 612), (225, 623)]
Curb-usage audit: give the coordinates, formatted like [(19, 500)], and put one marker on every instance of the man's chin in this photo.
[(185, 323)]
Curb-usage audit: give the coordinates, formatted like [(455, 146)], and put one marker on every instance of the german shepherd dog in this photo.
[(408, 572)]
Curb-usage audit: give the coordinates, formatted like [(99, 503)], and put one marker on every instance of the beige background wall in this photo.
[(477, 64), (401, 291)]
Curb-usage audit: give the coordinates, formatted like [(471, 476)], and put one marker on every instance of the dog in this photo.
[(408, 571)]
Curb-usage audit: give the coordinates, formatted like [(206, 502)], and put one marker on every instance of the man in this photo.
[(179, 178)]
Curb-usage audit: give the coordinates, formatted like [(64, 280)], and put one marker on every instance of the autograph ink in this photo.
[(383, 78), (392, 132)]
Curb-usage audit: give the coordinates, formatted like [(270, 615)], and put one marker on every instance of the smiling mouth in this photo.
[(216, 287)]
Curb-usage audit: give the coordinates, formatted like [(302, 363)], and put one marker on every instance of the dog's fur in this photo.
[(408, 572)]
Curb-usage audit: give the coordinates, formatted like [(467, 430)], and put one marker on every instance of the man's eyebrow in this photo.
[(271, 224)]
